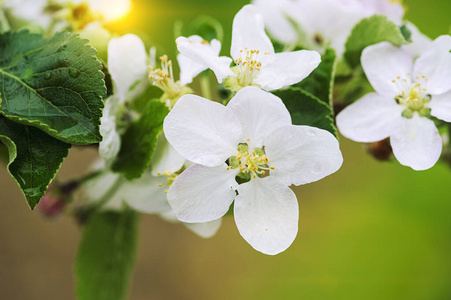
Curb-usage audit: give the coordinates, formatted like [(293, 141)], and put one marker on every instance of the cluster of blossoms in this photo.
[(212, 146), (245, 149)]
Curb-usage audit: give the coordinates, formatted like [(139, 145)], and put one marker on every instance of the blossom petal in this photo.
[(420, 42), (369, 119), (165, 158), (287, 68), (267, 214), (190, 68), (441, 106), (416, 143), (302, 154), (248, 31), (382, 64), (203, 131), (146, 194), (276, 22), (205, 229), (392, 9), (202, 194), (127, 64), (205, 56), (435, 64), (111, 142), (259, 112), (98, 187)]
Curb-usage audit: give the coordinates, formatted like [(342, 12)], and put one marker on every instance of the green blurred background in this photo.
[(370, 231)]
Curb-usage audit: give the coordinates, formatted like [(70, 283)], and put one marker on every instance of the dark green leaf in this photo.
[(34, 157), (351, 88), (371, 31), (320, 82), (406, 33), (54, 84), (138, 142), (306, 109), (106, 256)]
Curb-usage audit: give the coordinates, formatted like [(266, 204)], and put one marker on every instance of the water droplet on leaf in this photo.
[(74, 73), (47, 75)]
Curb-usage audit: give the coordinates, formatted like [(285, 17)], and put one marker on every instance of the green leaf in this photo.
[(34, 157), (320, 82), (306, 109), (106, 255), (54, 84), (371, 31), (351, 88), (139, 140), (406, 33)]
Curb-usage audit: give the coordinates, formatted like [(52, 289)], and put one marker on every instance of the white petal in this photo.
[(111, 142), (188, 67), (202, 194), (276, 22), (95, 189), (369, 119), (206, 229), (441, 106), (416, 143), (287, 68), (302, 154), (382, 64), (259, 112), (266, 214), (248, 31), (203, 131), (420, 42), (165, 158), (435, 64), (394, 11), (145, 194), (127, 64), (206, 56)]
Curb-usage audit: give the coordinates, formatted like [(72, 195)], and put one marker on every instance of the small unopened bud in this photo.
[(53, 202), (380, 150), (56, 198)]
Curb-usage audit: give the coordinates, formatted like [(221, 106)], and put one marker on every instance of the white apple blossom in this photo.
[(55, 15), (407, 93), (127, 64), (253, 53), (254, 134), (146, 194), (317, 24), (314, 24)]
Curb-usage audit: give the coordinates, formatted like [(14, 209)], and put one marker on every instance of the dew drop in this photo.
[(47, 75), (74, 73)]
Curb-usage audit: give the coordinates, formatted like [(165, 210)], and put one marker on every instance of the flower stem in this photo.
[(205, 86)]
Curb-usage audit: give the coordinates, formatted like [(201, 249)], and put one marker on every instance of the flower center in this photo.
[(164, 79), (248, 66), (170, 178), (250, 163), (413, 95)]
